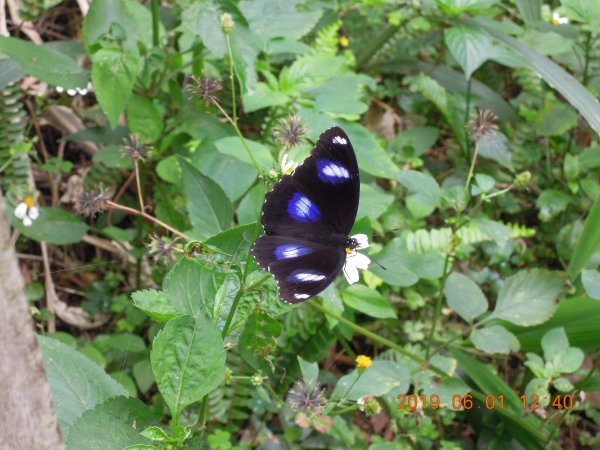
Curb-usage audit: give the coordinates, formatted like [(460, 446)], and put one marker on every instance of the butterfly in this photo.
[(307, 217)]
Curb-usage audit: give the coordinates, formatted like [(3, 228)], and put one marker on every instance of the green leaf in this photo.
[(377, 380), (459, 6), (537, 389), (54, 226), (470, 47), (465, 297), (77, 383), (44, 63), (528, 297), (143, 376), (124, 417), (368, 301), (342, 94), (550, 203), (415, 141), (156, 304), (585, 11), (263, 97), (404, 268), (587, 242), (591, 283), (530, 10), (113, 76), (245, 46), (374, 201), (203, 19), (278, 18), (234, 146), (555, 119), (144, 119), (561, 357), (156, 434), (563, 385), (573, 91), (310, 372), (258, 340), (209, 208), (496, 231), (424, 192), (249, 208), (188, 361), (494, 145), (495, 339), (112, 157)]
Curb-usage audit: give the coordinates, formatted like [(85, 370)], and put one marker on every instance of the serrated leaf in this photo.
[(156, 304), (54, 226), (368, 301), (188, 360), (77, 383), (113, 75), (465, 297), (495, 339), (470, 47), (528, 297), (591, 283), (44, 63), (258, 340), (209, 208), (144, 119)]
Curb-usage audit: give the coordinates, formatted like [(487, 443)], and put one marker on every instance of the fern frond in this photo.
[(326, 42)]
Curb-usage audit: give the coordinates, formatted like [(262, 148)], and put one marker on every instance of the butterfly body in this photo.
[(307, 218)]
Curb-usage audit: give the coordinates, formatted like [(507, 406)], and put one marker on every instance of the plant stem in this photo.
[(147, 216), (231, 76), (154, 11), (472, 168), (466, 121), (139, 185), (439, 302)]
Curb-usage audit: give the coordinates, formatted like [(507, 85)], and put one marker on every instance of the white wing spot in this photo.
[(301, 296), (309, 276), (339, 140)]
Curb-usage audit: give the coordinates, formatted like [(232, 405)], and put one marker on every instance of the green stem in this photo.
[(439, 302), (154, 11), (364, 56), (231, 76), (466, 121), (344, 343), (472, 169)]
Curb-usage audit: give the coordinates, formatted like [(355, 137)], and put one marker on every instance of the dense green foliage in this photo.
[(475, 124)]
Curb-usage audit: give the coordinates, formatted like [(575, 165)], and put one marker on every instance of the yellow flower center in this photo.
[(28, 201), (363, 362), (344, 41)]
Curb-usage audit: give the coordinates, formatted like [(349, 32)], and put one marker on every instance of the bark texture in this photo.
[(27, 417)]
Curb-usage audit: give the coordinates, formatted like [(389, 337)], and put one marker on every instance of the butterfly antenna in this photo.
[(376, 262), (388, 231)]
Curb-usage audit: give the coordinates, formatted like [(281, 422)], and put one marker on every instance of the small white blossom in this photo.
[(27, 212), (355, 260), (557, 19), (287, 167)]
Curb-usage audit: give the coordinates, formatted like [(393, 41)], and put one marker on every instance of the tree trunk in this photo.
[(27, 417)]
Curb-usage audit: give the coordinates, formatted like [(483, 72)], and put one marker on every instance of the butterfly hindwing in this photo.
[(321, 195), (301, 268)]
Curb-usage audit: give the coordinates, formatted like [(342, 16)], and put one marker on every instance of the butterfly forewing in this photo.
[(307, 217)]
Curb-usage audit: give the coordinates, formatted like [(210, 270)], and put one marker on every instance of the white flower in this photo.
[(355, 260), (557, 19), (287, 167), (26, 211)]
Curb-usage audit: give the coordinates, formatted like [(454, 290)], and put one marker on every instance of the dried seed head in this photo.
[(303, 399), (205, 88), (482, 122), (93, 202), (135, 149), (290, 131), (162, 248)]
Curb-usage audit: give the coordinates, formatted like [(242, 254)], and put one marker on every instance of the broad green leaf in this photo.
[(126, 381), (113, 76), (250, 207), (448, 389), (563, 384), (124, 417), (424, 192), (131, 17), (530, 10), (44, 63), (537, 391), (310, 372), (588, 241), (495, 339), (156, 304), (550, 203), (573, 91), (186, 291), (245, 46), (561, 357), (263, 97), (342, 94), (591, 283), (278, 18), (404, 268), (585, 11), (112, 157), (496, 231), (121, 342), (555, 119), (554, 342), (377, 380), (143, 376), (465, 297), (54, 226), (494, 145), (77, 383), (10, 72), (374, 201), (470, 46), (460, 6), (188, 361), (415, 141), (258, 340), (203, 19), (368, 301), (234, 146), (209, 208), (144, 119), (528, 297)]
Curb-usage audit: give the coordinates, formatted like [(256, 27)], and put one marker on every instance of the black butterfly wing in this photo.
[(321, 196), (301, 268)]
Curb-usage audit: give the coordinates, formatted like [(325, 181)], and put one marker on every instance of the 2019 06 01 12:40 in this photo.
[(467, 403)]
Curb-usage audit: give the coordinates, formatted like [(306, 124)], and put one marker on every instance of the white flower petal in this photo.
[(21, 211), (350, 272), (27, 221), (359, 260), (34, 212), (71, 92), (59, 89), (362, 240)]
